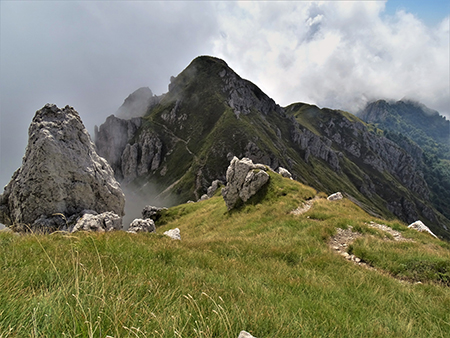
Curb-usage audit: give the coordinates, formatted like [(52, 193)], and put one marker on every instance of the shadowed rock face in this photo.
[(60, 173)]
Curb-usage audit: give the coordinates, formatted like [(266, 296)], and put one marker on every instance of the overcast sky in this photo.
[(93, 54)]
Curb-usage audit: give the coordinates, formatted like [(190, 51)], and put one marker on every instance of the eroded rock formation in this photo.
[(61, 174), (244, 180)]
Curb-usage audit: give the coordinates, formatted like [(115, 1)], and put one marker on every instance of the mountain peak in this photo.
[(207, 74), (206, 60)]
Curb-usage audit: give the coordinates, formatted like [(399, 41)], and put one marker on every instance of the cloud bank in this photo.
[(337, 54)]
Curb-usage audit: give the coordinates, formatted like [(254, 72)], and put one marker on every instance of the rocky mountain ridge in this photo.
[(210, 115)]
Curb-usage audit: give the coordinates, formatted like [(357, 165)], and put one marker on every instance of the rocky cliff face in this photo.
[(210, 115), (314, 145), (141, 157), (370, 162), (243, 96), (376, 151), (131, 153), (423, 134), (112, 138), (61, 174)]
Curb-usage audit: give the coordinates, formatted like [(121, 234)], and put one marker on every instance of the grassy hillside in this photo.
[(259, 268)]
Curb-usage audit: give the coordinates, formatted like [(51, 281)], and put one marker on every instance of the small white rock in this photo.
[(245, 334), (335, 197), (173, 233), (419, 226)]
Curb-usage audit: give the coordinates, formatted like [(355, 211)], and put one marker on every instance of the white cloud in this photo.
[(338, 54)]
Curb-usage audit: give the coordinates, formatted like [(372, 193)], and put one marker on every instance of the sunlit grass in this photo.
[(259, 269)]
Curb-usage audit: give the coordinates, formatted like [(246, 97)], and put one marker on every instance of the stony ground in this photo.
[(344, 237), (305, 206)]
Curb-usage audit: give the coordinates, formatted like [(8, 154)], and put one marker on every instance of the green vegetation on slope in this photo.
[(259, 269), (406, 122)]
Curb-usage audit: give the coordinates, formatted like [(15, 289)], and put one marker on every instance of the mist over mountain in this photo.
[(187, 137), (137, 103), (408, 117)]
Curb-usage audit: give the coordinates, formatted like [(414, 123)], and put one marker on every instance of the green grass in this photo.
[(258, 269)]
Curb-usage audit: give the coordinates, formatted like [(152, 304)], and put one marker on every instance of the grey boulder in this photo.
[(104, 222), (152, 212), (173, 233), (284, 172), (142, 225), (335, 197), (244, 180), (245, 334)]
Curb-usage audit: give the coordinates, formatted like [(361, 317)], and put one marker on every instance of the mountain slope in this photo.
[(210, 114), (423, 133)]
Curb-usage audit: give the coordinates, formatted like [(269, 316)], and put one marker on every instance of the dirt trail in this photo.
[(305, 206), (344, 238)]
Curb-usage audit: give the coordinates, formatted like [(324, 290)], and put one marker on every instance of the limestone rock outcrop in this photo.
[(104, 222), (244, 180), (112, 138), (61, 173), (213, 188), (335, 197), (152, 212), (284, 172), (142, 225)]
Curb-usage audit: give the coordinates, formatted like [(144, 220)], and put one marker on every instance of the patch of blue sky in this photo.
[(430, 12)]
